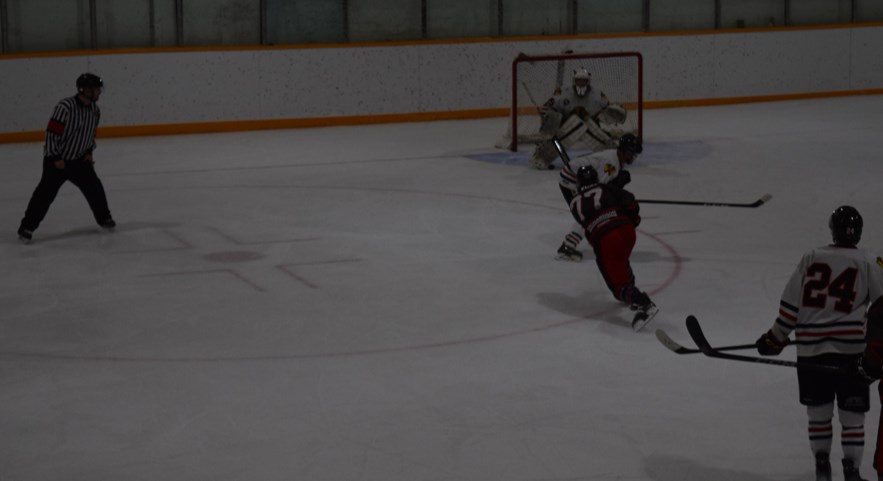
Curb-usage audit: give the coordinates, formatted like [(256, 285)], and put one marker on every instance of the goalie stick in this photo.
[(559, 71), (677, 348), (699, 338), (757, 203)]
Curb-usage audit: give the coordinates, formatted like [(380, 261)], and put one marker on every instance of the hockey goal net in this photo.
[(536, 78)]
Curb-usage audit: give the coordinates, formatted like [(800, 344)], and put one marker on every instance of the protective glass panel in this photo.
[(752, 13), (305, 21), (32, 30), (536, 17), (820, 12), (222, 22), (603, 16), (4, 48), (137, 23), (461, 18), (673, 15), (382, 20), (869, 11)]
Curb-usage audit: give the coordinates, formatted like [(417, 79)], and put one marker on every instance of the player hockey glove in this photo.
[(621, 179), (632, 212), (768, 345), (867, 371)]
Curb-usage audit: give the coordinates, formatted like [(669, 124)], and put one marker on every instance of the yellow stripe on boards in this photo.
[(301, 123)]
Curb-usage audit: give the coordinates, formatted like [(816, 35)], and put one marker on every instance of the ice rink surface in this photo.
[(383, 303)]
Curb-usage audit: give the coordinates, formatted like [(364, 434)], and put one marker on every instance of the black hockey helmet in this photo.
[(846, 225), (630, 143), (89, 81), (586, 175)]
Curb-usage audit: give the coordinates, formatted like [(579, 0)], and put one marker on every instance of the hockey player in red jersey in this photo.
[(609, 165), (609, 215), (824, 304)]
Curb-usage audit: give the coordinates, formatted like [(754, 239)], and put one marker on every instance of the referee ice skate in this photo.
[(67, 155)]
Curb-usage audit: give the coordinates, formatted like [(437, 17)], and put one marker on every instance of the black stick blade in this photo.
[(698, 336), (757, 203)]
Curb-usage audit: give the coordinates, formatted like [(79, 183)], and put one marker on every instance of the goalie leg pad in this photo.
[(544, 155), (550, 122), (571, 131), (597, 137)]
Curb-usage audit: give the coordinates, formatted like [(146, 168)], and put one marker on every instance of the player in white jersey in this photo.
[(574, 116), (824, 304), (609, 166)]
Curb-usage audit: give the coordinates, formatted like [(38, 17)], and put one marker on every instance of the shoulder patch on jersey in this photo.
[(609, 169)]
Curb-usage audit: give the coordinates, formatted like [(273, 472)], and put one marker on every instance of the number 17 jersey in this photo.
[(826, 299)]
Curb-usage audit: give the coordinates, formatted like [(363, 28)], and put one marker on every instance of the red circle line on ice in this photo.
[(677, 262)]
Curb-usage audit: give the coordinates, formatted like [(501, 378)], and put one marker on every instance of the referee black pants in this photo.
[(81, 174)]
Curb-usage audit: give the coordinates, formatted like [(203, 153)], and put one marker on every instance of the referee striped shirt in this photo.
[(71, 131)]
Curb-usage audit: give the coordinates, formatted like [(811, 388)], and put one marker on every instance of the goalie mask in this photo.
[(846, 226), (581, 78)]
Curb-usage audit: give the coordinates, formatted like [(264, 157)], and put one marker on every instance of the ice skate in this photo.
[(25, 236), (850, 471), (644, 315), (108, 224), (646, 310), (823, 467), (567, 253)]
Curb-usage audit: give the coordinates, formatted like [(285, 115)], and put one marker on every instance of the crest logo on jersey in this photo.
[(609, 169)]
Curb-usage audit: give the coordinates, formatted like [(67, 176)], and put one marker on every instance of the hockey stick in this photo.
[(559, 74), (532, 100), (677, 348), (699, 338), (561, 152), (757, 203)]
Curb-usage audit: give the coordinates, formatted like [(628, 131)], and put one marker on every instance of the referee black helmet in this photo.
[(89, 81)]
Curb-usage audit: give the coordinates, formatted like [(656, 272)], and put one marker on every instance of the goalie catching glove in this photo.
[(613, 114), (769, 345)]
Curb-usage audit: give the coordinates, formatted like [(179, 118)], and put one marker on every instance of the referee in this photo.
[(67, 155)]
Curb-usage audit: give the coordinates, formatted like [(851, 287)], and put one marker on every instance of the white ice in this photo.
[(382, 303)]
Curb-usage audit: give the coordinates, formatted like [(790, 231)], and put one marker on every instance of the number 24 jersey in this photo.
[(826, 298)]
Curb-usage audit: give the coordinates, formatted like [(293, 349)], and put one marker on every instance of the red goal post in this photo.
[(536, 78)]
